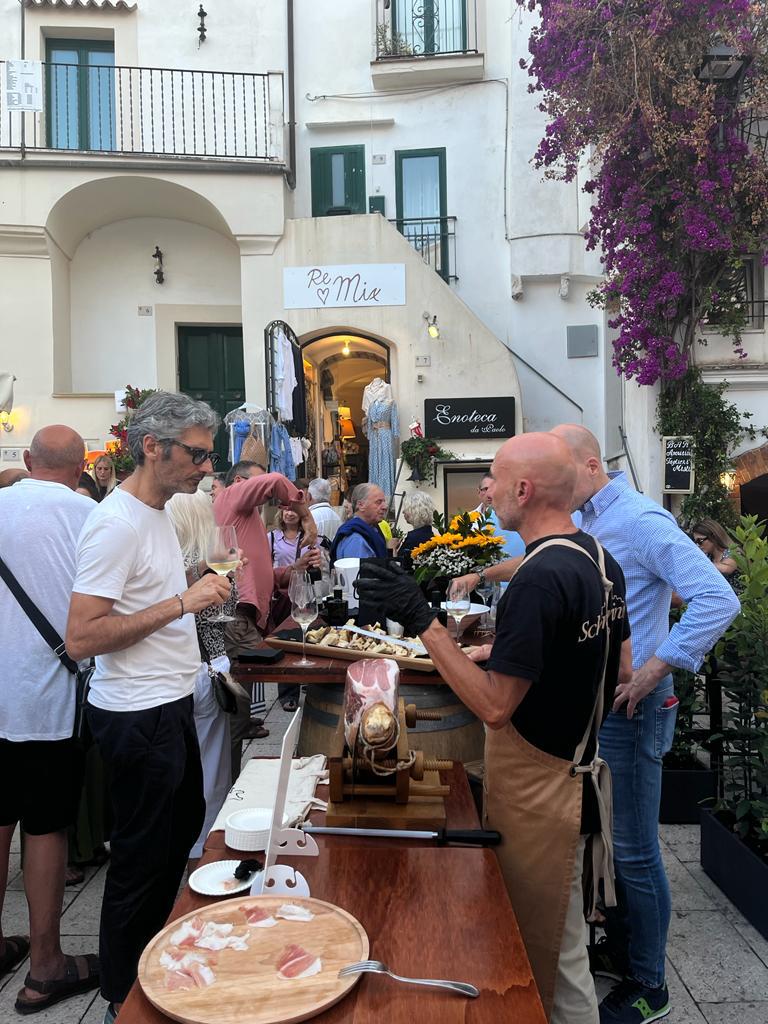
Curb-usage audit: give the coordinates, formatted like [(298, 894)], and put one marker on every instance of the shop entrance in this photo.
[(337, 370)]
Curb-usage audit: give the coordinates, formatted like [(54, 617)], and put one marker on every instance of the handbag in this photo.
[(80, 731), (223, 695)]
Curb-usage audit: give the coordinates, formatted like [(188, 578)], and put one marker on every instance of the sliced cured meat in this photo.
[(370, 704), (175, 958), (258, 918), (195, 975), (293, 912), (295, 962), (188, 932)]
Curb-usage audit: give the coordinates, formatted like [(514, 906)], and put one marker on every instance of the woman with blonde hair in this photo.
[(105, 478), (418, 511), (192, 517)]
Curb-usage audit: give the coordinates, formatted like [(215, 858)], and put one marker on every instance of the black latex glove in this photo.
[(390, 588)]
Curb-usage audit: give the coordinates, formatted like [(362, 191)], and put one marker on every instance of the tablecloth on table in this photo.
[(256, 786)]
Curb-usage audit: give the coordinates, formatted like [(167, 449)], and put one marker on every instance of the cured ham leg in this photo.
[(370, 705)]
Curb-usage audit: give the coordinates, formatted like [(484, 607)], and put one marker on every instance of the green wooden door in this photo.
[(338, 180), (211, 369)]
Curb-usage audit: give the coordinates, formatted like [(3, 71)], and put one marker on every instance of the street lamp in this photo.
[(724, 68)]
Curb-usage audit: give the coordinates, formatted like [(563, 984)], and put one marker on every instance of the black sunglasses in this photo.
[(199, 455), (698, 541)]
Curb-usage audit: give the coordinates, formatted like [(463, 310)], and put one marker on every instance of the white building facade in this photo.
[(359, 134)]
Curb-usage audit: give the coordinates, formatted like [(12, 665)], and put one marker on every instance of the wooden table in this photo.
[(325, 670), (435, 912)]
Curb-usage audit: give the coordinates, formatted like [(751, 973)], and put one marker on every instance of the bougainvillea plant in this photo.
[(678, 175), (118, 449)]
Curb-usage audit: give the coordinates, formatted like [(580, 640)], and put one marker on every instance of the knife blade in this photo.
[(471, 836)]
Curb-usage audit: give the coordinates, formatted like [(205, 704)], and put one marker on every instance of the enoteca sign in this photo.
[(469, 417), (331, 287)]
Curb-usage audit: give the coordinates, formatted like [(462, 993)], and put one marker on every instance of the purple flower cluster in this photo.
[(678, 195)]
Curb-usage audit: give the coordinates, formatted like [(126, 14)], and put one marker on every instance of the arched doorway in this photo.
[(751, 493), (338, 367)]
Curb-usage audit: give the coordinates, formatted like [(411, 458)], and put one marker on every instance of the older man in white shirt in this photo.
[(327, 520)]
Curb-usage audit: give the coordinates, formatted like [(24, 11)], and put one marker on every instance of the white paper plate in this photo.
[(474, 609), (209, 880)]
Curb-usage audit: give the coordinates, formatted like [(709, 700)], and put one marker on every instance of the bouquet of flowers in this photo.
[(118, 449), (468, 543)]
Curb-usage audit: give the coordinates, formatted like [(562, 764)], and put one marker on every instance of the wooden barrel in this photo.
[(458, 735)]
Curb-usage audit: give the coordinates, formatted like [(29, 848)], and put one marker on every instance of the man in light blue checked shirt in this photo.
[(656, 558)]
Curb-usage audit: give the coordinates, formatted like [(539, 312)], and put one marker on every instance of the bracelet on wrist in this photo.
[(181, 602)]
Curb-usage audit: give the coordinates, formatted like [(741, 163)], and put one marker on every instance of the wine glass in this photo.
[(457, 603), (223, 557), (303, 611)]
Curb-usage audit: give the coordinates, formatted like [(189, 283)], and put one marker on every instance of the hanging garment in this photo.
[(280, 457), (299, 400), (296, 450), (377, 389), (240, 432), (287, 381), (383, 443)]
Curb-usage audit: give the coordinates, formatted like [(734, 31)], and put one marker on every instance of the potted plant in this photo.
[(118, 449), (687, 784), (420, 454), (734, 836)]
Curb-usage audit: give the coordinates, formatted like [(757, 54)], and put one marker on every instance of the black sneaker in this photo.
[(629, 1002), (605, 962)]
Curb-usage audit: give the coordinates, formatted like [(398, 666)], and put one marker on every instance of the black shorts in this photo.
[(42, 780)]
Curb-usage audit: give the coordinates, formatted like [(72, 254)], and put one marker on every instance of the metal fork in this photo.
[(377, 967)]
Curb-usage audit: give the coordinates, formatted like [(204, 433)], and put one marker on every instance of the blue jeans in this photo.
[(633, 748)]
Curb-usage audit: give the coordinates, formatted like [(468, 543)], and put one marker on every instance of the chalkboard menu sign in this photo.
[(469, 417), (678, 464)]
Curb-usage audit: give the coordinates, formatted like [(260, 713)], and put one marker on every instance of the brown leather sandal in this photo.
[(57, 989)]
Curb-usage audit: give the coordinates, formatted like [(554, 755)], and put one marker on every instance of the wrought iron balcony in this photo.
[(157, 112), (750, 315), (434, 238), (425, 28)]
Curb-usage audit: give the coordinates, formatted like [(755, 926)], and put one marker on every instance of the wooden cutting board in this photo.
[(344, 654), (247, 986)]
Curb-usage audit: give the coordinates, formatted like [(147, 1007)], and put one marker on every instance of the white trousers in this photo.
[(212, 726)]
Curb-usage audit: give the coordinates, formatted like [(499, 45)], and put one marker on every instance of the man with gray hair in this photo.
[(40, 766), (328, 521), (360, 536), (133, 607)]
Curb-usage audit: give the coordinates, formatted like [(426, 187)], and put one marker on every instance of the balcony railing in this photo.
[(158, 112), (434, 238), (425, 28), (750, 315)]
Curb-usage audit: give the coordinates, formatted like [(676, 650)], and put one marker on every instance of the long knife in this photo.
[(470, 837), (383, 638)]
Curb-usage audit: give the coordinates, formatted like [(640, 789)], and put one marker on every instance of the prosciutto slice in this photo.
[(258, 918), (295, 962), (370, 704)]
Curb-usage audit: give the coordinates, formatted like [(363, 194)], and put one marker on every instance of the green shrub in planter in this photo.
[(742, 657)]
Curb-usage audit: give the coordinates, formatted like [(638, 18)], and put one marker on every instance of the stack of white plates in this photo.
[(248, 830)]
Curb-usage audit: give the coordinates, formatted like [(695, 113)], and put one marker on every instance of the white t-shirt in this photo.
[(39, 525), (326, 520), (129, 552)]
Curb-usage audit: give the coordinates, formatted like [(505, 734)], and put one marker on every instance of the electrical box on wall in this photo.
[(376, 204), (581, 342)]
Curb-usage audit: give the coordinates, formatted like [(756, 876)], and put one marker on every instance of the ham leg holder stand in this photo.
[(282, 879)]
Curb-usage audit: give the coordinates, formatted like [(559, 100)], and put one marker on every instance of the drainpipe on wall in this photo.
[(290, 171)]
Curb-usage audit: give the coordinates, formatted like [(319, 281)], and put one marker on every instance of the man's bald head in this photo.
[(533, 475), (57, 453), (9, 477), (585, 448)]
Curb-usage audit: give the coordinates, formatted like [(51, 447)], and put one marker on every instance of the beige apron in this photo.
[(534, 800)]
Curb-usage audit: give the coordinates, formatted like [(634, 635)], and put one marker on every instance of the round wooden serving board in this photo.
[(247, 986)]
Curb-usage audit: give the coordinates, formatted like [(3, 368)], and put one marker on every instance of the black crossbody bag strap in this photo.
[(38, 620)]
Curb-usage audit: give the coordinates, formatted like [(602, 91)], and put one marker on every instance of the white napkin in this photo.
[(256, 786)]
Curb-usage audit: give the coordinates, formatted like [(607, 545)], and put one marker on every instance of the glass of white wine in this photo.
[(457, 603), (303, 611), (223, 556)]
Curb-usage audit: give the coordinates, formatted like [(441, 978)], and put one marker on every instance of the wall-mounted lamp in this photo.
[(6, 401), (202, 15), (157, 256), (728, 480), (432, 329), (346, 350)]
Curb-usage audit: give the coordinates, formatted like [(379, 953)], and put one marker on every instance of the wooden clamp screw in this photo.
[(414, 715)]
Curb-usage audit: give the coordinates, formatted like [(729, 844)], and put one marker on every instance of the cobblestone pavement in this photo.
[(717, 962)]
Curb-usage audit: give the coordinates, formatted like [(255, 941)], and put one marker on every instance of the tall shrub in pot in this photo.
[(734, 841)]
